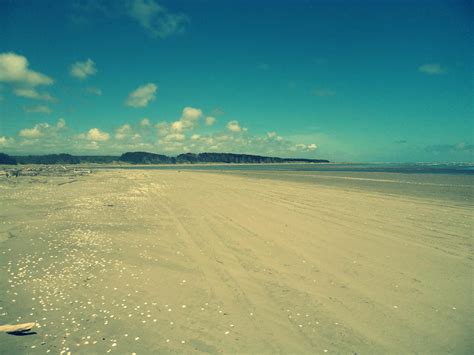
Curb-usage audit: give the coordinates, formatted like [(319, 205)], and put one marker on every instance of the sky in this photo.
[(359, 81)]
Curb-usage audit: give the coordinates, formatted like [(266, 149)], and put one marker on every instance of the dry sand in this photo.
[(140, 261)]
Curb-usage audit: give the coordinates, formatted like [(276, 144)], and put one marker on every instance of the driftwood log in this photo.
[(17, 328)]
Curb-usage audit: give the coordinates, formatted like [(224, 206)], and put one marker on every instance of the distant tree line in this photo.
[(191, 158), (146, 158), (6, 159), (237, 158), (149, 158), (48, 159)]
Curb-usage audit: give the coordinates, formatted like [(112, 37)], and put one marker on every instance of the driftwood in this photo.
[(17, 328), (44, 171)]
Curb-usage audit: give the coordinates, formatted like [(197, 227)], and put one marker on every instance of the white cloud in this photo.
[(177, 126), (5, 141), (156, 19), (273, 136), (93, 91), (306, 147), (191, 114), (145, 122), (217, 111), (14, 69), (92, 145), (142, 96), (37, 109), (224, 138), (61, 123), (43, 129), (84, 69), (96, 135), (35, 132), (189, 119), (175, 137), (163, 128), (54, 137), (210, 120), (431, 69), (270, 144), (123, 131), (234, 126), (32, 94)]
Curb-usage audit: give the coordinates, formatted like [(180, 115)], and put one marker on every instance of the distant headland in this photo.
[(151, 158)]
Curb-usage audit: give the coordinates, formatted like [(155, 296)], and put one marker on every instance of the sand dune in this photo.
[(139, 261)]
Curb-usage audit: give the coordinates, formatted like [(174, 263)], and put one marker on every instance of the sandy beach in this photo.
[(149, 261)]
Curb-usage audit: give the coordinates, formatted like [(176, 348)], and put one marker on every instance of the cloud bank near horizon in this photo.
[(189, 133)]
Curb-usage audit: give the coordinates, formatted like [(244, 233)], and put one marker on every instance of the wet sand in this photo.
[(150, 261)]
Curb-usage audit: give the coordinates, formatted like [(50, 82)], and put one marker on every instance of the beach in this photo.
[(168, 261)]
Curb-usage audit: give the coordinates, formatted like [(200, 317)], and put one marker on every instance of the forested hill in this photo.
[(190, 158), (150, 158)]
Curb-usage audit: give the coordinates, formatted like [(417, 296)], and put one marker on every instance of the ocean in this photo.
[(404, 168)]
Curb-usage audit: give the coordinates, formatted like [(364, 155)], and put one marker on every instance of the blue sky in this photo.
[(342, 80)]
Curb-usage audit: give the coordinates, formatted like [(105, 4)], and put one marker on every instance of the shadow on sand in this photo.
[(21, 334)]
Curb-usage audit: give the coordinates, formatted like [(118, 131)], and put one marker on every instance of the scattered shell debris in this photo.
[(73, 285)]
